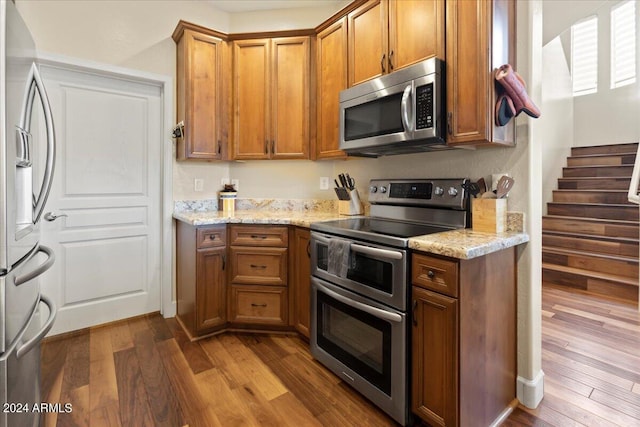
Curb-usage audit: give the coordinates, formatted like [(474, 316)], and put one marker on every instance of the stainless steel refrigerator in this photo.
[(27, 158)]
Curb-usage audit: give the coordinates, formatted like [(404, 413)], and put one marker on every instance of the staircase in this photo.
[(590, 233)]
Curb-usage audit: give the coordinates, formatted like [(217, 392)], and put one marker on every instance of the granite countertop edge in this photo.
[(461, 244)]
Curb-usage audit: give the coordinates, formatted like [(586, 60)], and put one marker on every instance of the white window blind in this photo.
[(584, 56), (623, 44)]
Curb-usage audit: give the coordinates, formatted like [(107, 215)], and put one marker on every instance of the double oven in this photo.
[(360, 286)]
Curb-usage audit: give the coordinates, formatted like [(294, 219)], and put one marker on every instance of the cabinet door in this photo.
[(368, 41), (435, 358), (416, 31), (469, 79), (251, 95), (331, 78), (290, 98), (199, 62), (210, 288), (301, 283)]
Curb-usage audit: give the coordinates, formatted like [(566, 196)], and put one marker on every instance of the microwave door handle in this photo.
[(36, 85), (374, 311), (404, 109)]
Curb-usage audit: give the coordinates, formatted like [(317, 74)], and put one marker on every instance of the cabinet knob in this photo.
[(431, 274), (212, 237)]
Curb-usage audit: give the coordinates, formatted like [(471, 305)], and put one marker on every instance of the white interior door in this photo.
[(108, 184)]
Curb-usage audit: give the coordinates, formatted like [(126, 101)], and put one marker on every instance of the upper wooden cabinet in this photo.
[(480, 38), (271, 98), (201, 70), (386, 35), (331, 78)]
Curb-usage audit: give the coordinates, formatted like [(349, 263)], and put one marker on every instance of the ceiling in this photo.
[(237, 6)]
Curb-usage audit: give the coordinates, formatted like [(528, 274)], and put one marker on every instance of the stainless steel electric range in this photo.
[(360, 292)]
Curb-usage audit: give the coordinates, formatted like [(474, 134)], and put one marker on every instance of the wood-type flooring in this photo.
[(145, 372)]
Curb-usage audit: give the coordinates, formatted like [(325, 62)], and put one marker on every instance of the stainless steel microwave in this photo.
[(399, 113)]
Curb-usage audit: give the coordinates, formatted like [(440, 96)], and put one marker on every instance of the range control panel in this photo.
[(448, 192)]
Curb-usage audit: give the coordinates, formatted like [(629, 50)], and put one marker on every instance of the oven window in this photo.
[(358, 339), (377, 117), (372, 272)]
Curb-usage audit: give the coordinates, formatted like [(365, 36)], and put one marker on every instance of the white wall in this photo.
[(557, 118)]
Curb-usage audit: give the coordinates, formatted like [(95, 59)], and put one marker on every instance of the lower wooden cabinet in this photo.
[(435, 357), (463, 338), (262, 305), (258, 276), (300, 283), (201, 266)]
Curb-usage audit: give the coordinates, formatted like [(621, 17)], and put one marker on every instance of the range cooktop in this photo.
[(378, 230), (405, 208)]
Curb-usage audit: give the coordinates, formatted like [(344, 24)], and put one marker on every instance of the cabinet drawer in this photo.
[(249, 235), (259, 266), (437, 274), (211, 237), (263, 305)]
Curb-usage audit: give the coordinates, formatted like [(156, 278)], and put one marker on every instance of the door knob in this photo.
[(50, 216)]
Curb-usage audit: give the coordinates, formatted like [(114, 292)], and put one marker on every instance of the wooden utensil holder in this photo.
[(353, 206), (489, 215)]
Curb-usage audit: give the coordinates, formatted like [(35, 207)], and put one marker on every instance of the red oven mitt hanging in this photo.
[(513, 98)]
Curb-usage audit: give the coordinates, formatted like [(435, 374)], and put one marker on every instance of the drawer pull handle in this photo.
[(255, 236), (212, 237), (258, 305), (431, 274), (414, 312), (258, 266)]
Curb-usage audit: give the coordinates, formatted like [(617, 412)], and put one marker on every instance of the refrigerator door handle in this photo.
[(36, 85), (19, 280), (53, 311)]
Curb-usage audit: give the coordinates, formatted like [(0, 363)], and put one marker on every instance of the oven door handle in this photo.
[(381, 314), (383, 253)]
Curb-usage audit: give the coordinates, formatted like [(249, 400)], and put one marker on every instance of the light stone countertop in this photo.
[(466, 243), (255, 216), (461, 244)]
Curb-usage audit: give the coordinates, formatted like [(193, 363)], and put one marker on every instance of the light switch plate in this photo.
[(198, 184), (324, 182)]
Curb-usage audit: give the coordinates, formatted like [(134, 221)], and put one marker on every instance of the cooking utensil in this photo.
[(342, 193), (472, 187), (504, 186), (343, 180), (482, 185), (351, 183)]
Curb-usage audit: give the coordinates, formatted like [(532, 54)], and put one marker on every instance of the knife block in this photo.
[(489, 215), (353, 206)]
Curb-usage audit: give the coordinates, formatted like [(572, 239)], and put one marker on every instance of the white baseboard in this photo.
[(531, 392)]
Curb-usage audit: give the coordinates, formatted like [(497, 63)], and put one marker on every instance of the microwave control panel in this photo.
[(424, 106)]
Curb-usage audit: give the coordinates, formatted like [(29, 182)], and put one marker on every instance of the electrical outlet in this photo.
[(198, 184), (324, 182), (236, 184)]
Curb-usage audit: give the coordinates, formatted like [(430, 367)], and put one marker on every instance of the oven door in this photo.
[(364, 343), (375, 271)]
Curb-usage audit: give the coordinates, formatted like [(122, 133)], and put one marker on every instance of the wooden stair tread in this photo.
[(590, 190), (591, 274), (586, 178), (604, 205), (595, 155), (594, 220), (592, 237), (599, 167), (565, 251)]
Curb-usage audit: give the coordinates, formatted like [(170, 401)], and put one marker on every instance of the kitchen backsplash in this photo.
[(279, 205)]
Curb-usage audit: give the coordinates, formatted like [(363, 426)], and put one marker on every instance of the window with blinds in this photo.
[(623, 44), (584, 56)]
